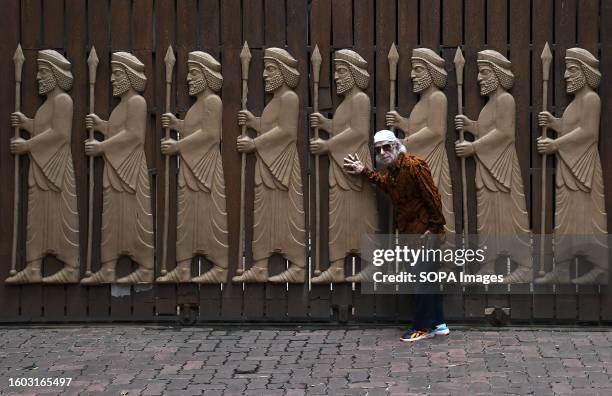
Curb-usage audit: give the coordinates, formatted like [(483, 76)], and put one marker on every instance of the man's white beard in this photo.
[(575, 83), (46, 85), (345, 84), (121, 86), (420, 84), (274, 82), (197, 86), (489, 85)]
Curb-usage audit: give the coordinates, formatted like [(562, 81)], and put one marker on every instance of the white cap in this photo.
[(384, 135)]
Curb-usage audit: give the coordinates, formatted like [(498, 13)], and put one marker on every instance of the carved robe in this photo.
[(502, 220), (52, 219), (202, 217), (127, 220), (580, 213), (278, 225), (352, 199)]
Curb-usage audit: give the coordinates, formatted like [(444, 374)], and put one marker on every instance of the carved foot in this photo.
[(215, 275), (365, 275), (181, 274), (294, 274), (554, 276), (331, 275), (141, 275), (519, 275), (596, 276), (105, 275), (65, 275), (252, 275), (27, 275)]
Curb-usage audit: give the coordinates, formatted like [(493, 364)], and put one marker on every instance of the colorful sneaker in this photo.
[(441, 329), (416, 335)]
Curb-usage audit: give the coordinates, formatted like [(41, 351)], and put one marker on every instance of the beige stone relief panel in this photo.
[(127, 219)]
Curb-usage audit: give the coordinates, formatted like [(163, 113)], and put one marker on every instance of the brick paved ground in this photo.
[(155, 360)]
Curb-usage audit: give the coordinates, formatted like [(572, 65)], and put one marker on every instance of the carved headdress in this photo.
[(357, 66), (60, 67), (210, 67), (434, 63), (501, 66), (588, 63), (287, 63), (133, 67)]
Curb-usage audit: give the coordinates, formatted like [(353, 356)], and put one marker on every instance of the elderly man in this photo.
[(278, 225), (503, 224), (352, 203), (202, 220), (408, 182), (52, 219), (580, 213), (127, 220)]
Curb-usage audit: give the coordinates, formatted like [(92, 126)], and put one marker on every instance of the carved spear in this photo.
[(18, 60), (92, 63), (546, 59), (459, 62), (315, 59), (245, 60), (393, 58), (170, 60)]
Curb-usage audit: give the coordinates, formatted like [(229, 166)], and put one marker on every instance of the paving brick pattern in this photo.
[(156, 360)]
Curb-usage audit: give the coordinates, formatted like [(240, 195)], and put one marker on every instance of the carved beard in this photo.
[(274, 82), (575, 82), (46, 85), (488, 85), (420, 84), (197, 86), (345, 84), (121, 86)]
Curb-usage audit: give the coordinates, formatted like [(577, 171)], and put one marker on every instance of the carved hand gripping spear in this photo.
[(315, 59), (393, 58), (18, 60), (546, 59), (170, 60), (245, 60), (459, 62), (92, 63)]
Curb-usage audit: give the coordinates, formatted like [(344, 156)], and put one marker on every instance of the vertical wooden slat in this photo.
[(9, 295), (231, 303), (429, 24), (297, 40), (320, 34), (542, 25), (53, 23)]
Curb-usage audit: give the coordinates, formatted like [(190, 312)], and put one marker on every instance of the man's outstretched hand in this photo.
[(353, 165)]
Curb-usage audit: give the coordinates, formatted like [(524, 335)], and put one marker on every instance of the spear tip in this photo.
[(316, 56), (393, 55), (245, 54), (169, 58), (459, 60), (546, 53), (92, 59), (18, 60)]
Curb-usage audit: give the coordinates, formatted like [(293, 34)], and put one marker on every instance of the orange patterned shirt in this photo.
[(415, 197)]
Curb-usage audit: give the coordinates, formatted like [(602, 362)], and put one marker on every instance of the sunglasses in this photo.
[(384, 148)]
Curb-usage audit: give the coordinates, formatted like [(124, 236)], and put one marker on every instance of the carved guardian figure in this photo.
[(580, 214), (278, 225), (352, 200), (127, 220), (202, 217), (52, 218), (503, 224)]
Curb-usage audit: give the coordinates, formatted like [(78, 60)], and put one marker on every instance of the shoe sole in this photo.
[(442, 333)]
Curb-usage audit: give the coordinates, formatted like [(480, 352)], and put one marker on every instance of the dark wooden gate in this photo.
[(517, 28)]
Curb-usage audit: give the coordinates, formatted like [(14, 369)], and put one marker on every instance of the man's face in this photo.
[(46, 80), (196, 80), (386, 152), (487, 79), (119, 80), (421, 78), (574, 77), (272, 75), (343, 77)]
